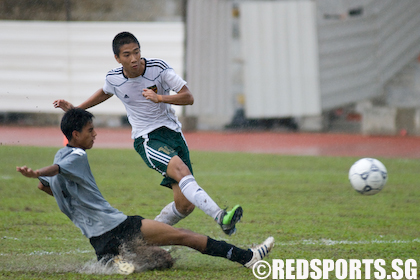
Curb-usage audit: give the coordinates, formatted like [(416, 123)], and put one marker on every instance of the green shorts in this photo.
[(158, 147)]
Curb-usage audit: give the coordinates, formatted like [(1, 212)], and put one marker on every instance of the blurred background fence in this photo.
[(43, 60), (310, 65)]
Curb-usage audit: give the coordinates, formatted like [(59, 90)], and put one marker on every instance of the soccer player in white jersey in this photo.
[(70, 180), (143, 86)]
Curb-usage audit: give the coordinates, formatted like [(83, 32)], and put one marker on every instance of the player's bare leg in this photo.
[(180, 172), (189, 188), (160, 234), (155, 233), (177, 210), (183, 205)]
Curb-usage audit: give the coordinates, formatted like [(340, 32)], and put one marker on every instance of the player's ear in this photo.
[(75, 134), (117, 58)]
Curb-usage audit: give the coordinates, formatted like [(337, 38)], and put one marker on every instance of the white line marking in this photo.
[(329, 242)]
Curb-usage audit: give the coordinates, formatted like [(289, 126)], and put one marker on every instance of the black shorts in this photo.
[(107, 245)]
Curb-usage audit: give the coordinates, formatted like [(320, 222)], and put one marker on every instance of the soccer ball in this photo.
[(368, 176)]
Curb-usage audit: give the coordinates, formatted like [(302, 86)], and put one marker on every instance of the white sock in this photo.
[(170, 215), (197, 196)]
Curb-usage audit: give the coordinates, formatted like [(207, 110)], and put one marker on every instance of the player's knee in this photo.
[(183, 236), (189, 209), (186, 208), (177, 169), (183, 205)]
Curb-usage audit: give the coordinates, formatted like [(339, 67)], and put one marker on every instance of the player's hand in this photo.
[(27, 172), (63, 104), (151, 95)]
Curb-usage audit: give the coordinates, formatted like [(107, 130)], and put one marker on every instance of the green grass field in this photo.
[(306, 203)]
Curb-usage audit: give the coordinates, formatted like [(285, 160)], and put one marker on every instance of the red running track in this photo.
[(314, 144)]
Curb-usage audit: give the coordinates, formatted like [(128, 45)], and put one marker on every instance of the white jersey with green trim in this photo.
[(145, 115)]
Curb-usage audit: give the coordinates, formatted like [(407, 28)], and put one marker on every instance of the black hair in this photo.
[(75, 119), (123, 38)]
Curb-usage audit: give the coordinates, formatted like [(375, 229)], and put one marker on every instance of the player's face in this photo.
[(130, 59), (86, 137)]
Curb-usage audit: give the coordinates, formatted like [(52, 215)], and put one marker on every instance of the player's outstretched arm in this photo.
[(63, 104), (48, 171), (45, 171), (98, 97)]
